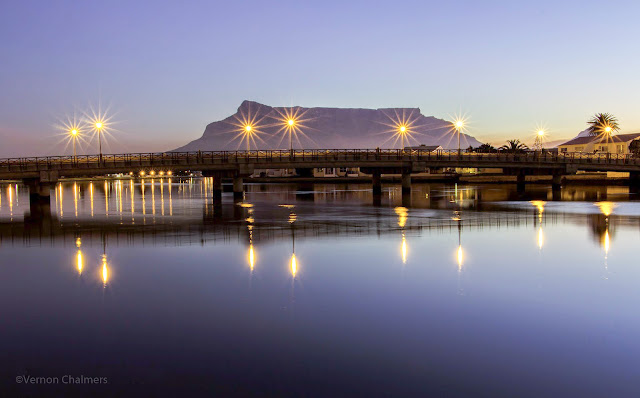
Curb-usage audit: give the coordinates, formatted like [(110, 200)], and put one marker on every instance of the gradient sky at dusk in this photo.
[(169, 68)]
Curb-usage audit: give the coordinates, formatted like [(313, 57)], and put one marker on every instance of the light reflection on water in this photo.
[(506, 293)]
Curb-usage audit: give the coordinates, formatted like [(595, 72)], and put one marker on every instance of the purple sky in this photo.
[(169, 68)]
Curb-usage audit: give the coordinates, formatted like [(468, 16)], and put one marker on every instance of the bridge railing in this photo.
[(185, 159)]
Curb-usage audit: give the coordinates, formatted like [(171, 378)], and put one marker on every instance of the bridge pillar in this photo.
[(376, 180), (39, 198), (520, 181), (238, 188), (217, 189), (556, 182), (634, 179), (406, 182)]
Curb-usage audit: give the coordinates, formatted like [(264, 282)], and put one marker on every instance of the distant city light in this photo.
[(247, 127), (291, 122)]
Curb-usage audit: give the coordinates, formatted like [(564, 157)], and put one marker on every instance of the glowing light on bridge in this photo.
[(292, 123), (402, 129), (459, 124), (71, 129), (246, 128), (540, 137), (101, 123)]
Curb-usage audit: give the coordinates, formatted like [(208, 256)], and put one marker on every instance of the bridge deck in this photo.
[(244, 162)]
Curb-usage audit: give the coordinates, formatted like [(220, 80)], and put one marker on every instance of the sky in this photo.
[(165, 69)]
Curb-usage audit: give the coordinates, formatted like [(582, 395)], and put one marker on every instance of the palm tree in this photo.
[(513, 146), (602, 124), (486, 148)]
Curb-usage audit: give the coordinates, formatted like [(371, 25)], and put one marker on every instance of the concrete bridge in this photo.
[(41, 173)]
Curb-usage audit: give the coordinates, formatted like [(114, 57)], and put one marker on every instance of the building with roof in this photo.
[(589, 144)]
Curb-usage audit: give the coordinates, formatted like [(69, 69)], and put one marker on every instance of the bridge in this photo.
[(41, 173)]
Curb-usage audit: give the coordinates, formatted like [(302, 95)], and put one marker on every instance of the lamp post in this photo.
[(402, 130), (74, 138), (607, 131), (291, 123), (248, 133), (458, 125), (99, 126), (538, 142)]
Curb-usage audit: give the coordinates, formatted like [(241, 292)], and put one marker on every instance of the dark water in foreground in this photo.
[(459, 291)]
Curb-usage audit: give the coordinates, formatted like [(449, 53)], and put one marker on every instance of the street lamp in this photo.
[(291, 123), (402, 130), (99, 125), (74, 137), (248, 131), (539, 137), (459, 125)]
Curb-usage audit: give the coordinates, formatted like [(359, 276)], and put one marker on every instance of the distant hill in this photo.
[(327, 128)]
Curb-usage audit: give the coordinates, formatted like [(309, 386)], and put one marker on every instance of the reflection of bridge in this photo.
[(40, 173), (235, 227)]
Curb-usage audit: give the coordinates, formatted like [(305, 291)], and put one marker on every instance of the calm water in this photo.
[(314, 291)]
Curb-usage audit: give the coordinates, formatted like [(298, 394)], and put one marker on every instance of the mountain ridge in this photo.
[(326, 127)]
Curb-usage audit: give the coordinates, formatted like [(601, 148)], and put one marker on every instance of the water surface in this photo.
[(315, 291)]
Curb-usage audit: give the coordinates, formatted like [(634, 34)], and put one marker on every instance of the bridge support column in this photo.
[(520, 181), (238, 188), (217, 189), (634, 179), (39, 198), (556, 186), (376, 180), (406, 183), (556, 182)]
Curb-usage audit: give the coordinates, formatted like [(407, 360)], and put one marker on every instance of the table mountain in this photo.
[(325, 128)]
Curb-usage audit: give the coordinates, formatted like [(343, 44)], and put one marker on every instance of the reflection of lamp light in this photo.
[(540, 238), (251, 256), (402, 213), (79, 261), (105, 271), (459, 256), (404, 249), (294, 265)]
